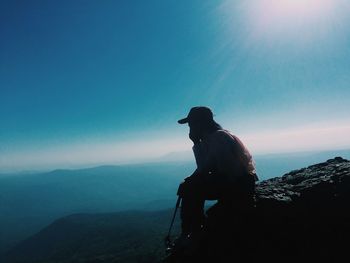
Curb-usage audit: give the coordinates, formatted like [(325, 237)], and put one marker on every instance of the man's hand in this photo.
[(181, 191), (194, 138), (185, 185)]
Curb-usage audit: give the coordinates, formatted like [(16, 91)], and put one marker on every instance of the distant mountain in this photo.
[(277, 164), (123, 237), (28, 202)]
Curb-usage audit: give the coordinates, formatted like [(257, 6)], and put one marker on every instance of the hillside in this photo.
[(132, 236), (29, 202)]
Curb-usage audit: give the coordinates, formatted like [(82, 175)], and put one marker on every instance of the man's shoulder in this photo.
[(223, 132), (224, 135)]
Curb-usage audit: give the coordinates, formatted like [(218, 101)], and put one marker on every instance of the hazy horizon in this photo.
[(179, 157), (87, 83)]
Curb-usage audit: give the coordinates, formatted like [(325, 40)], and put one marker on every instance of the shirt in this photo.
[(223, 155)]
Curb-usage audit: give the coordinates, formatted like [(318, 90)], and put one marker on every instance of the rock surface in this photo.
[(303, 215)]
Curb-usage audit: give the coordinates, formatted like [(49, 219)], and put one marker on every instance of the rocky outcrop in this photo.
[(303, 215)]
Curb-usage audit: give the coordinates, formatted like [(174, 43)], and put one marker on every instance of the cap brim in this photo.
[(183, 121)]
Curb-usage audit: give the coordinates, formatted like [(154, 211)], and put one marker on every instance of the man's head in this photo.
[(200, 120), (198, 115)]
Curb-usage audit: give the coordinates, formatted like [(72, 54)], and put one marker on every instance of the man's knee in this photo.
[(184, 189), (180, 190), (189, 187)]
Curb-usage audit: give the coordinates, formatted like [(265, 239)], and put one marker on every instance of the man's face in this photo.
[(195, 131)]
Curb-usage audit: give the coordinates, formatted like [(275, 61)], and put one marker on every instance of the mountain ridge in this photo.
[(283, 211)]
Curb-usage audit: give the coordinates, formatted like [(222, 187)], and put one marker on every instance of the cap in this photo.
[(198, 114)]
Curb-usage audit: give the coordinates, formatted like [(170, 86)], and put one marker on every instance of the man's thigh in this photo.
[(200, 189)]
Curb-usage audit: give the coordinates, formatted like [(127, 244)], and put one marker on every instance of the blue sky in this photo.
[(90, 82)]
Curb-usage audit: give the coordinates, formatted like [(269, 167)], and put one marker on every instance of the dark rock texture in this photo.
[(303, 215)]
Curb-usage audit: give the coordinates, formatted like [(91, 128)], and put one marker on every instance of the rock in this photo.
[(303, 215)]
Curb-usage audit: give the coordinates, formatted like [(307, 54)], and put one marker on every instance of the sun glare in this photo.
[(291, 9), (300, 20)]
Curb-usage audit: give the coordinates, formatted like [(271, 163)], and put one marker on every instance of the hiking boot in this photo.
[(187, 244), (182, 249), (180, 243)]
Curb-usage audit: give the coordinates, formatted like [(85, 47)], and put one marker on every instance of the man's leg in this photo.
[(192, 214), (192, 206)]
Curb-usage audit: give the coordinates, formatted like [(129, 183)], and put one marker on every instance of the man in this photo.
[(225, 170)]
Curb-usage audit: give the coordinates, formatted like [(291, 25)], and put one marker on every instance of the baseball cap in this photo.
[(198, 114)]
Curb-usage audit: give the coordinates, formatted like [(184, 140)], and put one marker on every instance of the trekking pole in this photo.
[(167, 238)]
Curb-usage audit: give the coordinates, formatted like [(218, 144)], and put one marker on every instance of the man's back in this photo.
[(223, 154)]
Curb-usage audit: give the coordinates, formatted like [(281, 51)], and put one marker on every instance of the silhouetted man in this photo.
[(225, 170)]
